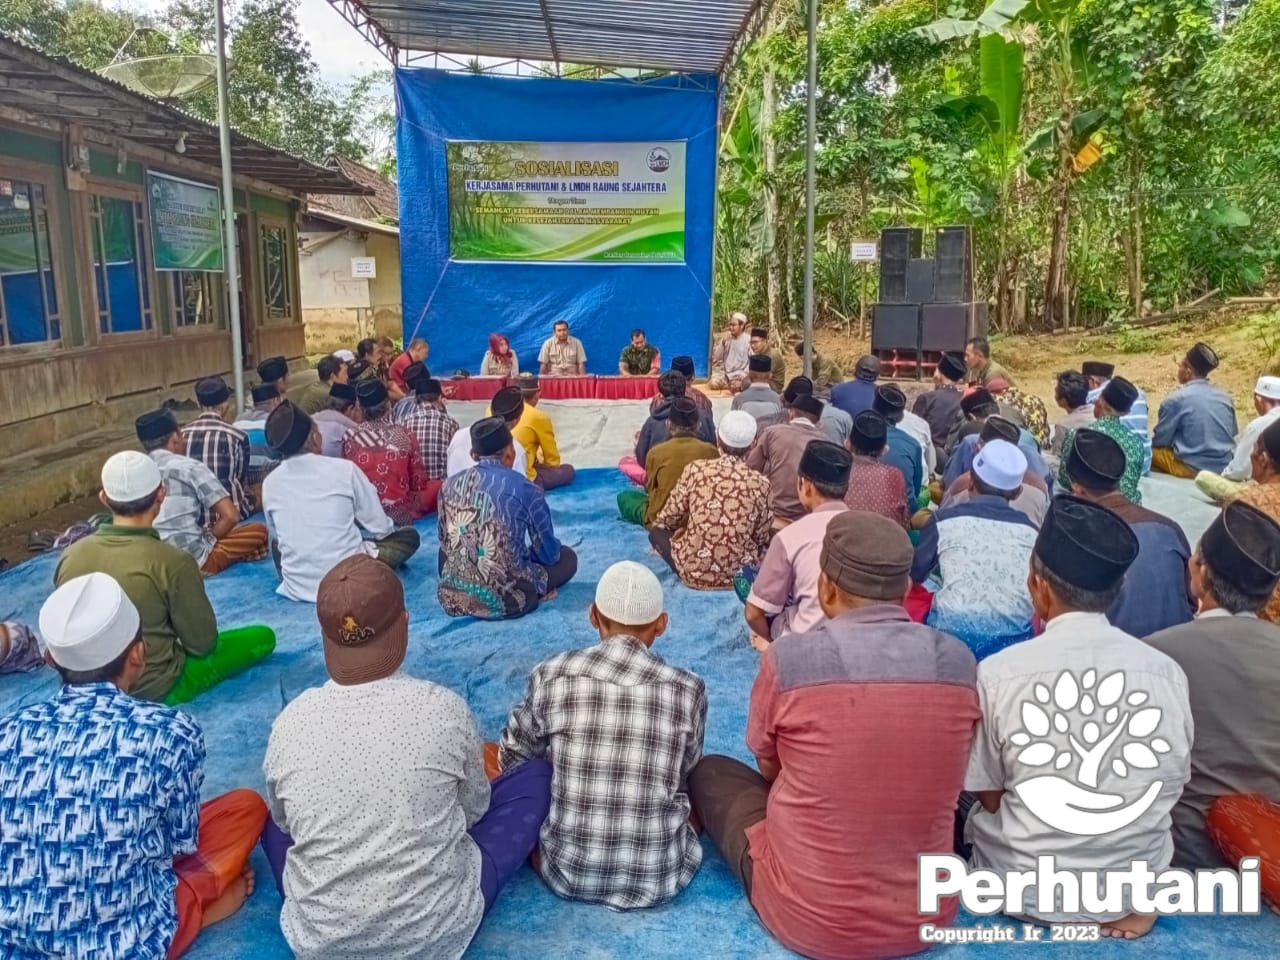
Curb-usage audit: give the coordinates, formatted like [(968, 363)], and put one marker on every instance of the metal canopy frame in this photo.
[(668, 36), (662, 36)]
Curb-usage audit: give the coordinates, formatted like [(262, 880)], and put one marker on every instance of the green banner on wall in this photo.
[(186, 224), (567, 202)]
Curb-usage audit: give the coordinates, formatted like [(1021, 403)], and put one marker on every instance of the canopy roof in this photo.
[(681, 36), (53, 88)]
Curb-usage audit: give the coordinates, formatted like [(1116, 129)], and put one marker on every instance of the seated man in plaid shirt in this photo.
[(223, 448), (423, 414), (622, 729)]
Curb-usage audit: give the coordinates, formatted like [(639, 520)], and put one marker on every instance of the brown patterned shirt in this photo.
[(719, 518)]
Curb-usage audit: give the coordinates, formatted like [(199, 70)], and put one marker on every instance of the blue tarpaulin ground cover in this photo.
[(488, 664)]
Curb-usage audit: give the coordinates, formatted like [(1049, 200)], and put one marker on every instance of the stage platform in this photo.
[(488, 664)]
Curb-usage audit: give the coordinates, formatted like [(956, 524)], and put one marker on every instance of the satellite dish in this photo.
[(169, 76)]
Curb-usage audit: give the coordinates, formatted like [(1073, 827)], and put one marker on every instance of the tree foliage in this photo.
[(1125, 147), (276, 92)]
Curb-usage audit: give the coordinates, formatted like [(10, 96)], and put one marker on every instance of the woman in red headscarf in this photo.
[(499, 360)]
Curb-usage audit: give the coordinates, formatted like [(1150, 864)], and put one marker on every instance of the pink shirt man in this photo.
[(786, 587)]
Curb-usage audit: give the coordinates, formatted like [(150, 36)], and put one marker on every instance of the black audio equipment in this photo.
[(895, 326), (953, 275), (898, 247)]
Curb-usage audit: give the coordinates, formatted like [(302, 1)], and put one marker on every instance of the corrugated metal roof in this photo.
[(359, 223), (54, 88), (682, 36)]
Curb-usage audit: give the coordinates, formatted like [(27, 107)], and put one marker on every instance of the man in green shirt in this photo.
[(982, 369), (315, 396), (666, 462), (641, 358), (185, 653), (825, 373), (1115, 401), (778, 370)]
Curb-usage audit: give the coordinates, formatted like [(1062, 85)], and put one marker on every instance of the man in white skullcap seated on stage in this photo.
[(107, 851)]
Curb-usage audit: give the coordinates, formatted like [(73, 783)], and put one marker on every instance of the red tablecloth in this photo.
[(473, 388), (568, 388), (589, 387), (626, 388)]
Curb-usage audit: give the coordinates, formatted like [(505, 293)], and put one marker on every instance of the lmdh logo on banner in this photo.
[(1087, 720)]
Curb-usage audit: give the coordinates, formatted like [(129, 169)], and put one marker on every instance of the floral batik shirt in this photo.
[(719, 518)]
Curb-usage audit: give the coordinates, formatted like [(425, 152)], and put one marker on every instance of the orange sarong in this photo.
[(230, 826)]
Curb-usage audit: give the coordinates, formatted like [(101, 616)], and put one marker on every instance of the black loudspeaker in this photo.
[(898, 247), (919, 281), (946, 327), (895, 326), (953, 275)]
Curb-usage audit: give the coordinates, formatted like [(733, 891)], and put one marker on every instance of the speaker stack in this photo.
[(926, 305)]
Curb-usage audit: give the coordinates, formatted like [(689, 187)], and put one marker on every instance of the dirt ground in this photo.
[(1151, 360)]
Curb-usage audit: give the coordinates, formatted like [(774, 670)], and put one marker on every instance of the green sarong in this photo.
[(235, 651), (632, 504)]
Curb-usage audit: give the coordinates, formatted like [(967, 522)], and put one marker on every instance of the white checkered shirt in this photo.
[(622, 728)]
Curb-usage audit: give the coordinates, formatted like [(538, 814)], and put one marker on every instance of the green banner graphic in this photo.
[(567, 202), (186, 224), (21, 218)]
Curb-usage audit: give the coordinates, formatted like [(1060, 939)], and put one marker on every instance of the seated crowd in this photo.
[(914, 579)]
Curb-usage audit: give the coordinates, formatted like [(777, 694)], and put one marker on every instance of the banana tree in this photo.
[(996, 28), (995, 112)]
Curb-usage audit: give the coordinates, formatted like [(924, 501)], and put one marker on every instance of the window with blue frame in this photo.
[(30, 312), (121, 271)]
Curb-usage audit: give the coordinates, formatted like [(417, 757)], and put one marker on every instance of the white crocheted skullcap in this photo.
[(629, 594)]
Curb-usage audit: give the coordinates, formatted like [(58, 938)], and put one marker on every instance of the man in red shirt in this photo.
[(861, 729), (875, 486), (416, 352), (389, 456)]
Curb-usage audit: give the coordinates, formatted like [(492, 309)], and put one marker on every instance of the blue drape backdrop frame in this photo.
[(457, 304)]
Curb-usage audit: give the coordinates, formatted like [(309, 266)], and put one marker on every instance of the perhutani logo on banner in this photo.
[(1068, 735), (470, 157)]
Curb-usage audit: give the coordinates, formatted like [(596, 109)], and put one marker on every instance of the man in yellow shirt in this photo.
[(534, 432)]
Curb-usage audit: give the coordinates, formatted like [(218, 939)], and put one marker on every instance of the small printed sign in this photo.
[(863, 251), (364, 268)]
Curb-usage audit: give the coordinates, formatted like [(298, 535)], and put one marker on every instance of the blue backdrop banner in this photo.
[(457, 304)]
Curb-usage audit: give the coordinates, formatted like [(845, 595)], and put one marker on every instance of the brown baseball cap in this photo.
[(360, 605)]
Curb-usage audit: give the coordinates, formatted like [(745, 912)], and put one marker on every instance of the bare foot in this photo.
[(232, 899), (1132, 927), (548, 596), (760, 643)]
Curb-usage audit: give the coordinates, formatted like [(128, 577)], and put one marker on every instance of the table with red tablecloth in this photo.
[(625, 388), (589, 387), (473, 388), (568, 388)]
